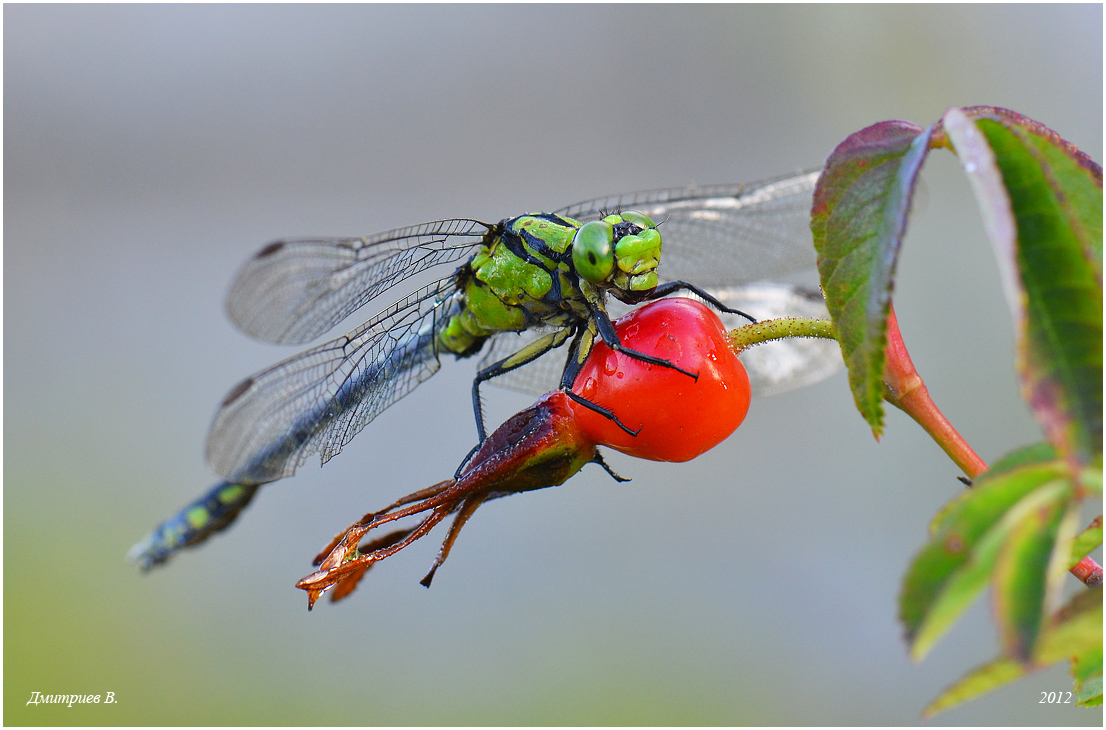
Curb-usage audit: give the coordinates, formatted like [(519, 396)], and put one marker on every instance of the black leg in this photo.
[(577, 356), (606, 467), (528, 354), (581, 347), (669, 287), (465, 461), (602, 412), (610, 338)]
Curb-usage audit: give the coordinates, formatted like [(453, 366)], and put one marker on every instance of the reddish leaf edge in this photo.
[(1001, 114), (847, 179)]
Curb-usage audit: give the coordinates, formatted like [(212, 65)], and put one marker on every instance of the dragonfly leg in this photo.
[(465, 461), (531, 352), (577, 356), (607, 468), (606, 413), (669, 287), (610, 338)]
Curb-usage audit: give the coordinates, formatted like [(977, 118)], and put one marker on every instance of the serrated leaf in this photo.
[(1074, 175), (1083, 640), (1086, 541), (1029, 567), (1062, 349), (1089, 693), (976, 682), (949, 573), (861, 203), (1074, 629), (1041, 201)]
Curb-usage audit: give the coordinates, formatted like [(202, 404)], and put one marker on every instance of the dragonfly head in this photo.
[(620, 252)]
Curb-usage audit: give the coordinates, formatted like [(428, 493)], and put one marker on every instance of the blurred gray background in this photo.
[(150, 150)]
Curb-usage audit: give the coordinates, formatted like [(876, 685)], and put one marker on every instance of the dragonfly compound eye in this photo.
[(593, 251), (638, 219), (638, 253)]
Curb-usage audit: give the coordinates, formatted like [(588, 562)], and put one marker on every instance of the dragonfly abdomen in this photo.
[(279, 447), (195, 523)]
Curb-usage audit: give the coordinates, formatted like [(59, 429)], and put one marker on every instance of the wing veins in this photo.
[(318, 400), (295, 290)]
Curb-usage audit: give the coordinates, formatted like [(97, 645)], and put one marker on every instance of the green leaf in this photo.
[(1041, 201), (1087, 664), (1091, 478), (978, 681), (1089, 693), (1080, 201), (1029, 568), (861, 203), (1086, 541), (1034, 454), (949, 572), (994, 491), (1074, 176), (1075, 631)]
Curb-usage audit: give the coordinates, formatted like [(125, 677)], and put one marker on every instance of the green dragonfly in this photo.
[(524, 286)]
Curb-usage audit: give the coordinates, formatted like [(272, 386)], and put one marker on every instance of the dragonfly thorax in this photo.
[(522, 276)]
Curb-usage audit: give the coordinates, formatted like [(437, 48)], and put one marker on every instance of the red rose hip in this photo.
[(679, 416)]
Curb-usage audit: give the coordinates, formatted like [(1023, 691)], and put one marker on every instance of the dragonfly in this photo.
[(516, 291)]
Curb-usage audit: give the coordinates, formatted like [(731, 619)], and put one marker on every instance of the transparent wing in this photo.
[(722, 235), (774, 367), (318, 400), (536, 378), (784, 365), (291, 292)]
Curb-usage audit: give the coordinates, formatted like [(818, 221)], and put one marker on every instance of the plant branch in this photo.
[(768, 330), (1088, 571), (905, 390)]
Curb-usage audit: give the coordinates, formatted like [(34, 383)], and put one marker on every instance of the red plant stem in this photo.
[(919, 406), (1088, 571), (907, 391)]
